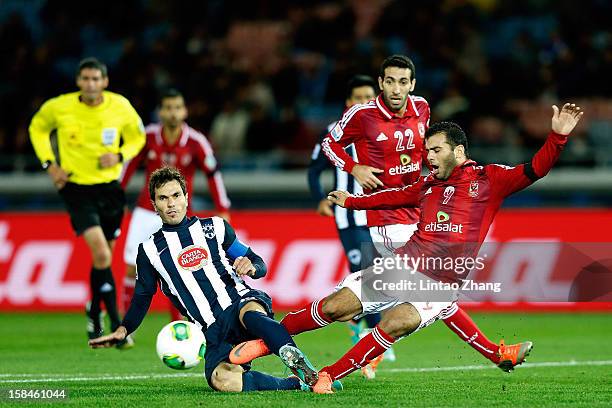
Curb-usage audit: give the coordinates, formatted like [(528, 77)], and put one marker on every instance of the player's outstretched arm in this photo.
[(507, 180), (109, 340), (566, 119), (392, 198)]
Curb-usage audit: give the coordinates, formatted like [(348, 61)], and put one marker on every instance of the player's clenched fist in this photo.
[(244, 266)]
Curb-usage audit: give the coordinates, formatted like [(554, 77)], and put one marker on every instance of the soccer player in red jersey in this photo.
[(388, 135), (458, 192), (169, 143)]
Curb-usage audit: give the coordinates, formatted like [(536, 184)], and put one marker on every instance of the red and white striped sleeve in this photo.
[(346, 131)]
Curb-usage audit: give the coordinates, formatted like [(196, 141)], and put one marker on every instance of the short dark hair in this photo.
[(162, 176), (399, 61), (455, 136), (357, 82), (170, 93), (92, 63)]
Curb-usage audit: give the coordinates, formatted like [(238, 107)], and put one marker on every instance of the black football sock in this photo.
[(269, 330), (108, 294), (256, 381), (95, 281)]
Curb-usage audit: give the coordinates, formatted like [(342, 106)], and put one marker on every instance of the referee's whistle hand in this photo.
[(109, 160)]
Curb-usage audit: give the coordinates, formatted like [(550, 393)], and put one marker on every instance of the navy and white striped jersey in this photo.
[(192, 264), (342, 181)]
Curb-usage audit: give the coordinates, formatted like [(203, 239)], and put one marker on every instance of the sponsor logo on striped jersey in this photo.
[(192, 258)]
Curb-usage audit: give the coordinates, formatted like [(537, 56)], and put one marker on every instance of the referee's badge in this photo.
[(192, 258), (108, 136)]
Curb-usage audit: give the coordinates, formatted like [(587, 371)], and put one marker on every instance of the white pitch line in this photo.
[(571, 363)]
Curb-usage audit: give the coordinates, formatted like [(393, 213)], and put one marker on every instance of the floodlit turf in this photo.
[(49, 351)]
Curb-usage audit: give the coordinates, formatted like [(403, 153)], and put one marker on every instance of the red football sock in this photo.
[(309, 318), (366, 349), (467, 330), (128, 292)]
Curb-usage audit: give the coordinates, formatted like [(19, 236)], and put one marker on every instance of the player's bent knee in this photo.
[(341, 306), (251, 306), (227, 378), (400, 320)]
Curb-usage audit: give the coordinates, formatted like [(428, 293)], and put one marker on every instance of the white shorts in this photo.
[(388, 238), (143, 224), (428, 311)]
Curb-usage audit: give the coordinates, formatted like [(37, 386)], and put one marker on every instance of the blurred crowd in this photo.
[(263, 78)]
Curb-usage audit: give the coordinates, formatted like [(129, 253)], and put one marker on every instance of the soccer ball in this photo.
[(181, 345)]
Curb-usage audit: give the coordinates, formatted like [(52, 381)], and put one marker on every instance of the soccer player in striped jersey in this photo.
[(351, 225), (199, 264), (172, 142)]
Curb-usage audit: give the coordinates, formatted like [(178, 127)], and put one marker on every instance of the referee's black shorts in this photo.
[(97, 204)]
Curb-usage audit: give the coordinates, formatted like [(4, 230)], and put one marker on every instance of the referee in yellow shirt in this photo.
[(97, 131)]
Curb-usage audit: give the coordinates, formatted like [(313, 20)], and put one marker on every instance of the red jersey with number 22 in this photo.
[(385, 141)]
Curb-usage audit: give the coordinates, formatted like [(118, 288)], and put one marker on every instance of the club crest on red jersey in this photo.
[(192, 258), (473, 191)]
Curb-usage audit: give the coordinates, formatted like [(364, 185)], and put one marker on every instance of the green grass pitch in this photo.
[(571, 365)]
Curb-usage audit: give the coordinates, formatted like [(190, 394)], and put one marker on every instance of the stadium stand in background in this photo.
[(263, 79)]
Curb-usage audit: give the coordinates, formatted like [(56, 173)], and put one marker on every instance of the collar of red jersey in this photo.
[(411, 109), (465, 164)]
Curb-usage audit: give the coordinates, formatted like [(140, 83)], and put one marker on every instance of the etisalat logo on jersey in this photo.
[(192, 258), (405, 167), (444, 224)]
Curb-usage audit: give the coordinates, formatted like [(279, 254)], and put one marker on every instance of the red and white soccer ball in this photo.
[(181, 345)]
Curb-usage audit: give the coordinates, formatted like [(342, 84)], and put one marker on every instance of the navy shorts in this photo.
[(226, 332), (358, 247)]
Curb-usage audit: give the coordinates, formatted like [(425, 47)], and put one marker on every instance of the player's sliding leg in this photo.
[(463, 326), (314, 316), (396, 322), (232, 378), (505, 357), (278, 341)]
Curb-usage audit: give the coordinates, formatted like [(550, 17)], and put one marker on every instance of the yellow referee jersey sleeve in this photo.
[(84, 133)]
